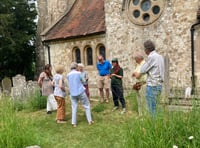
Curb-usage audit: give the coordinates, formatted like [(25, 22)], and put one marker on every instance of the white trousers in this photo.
[(51, 103)]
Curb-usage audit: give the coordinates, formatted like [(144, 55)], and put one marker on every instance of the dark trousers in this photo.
[(117, 93)]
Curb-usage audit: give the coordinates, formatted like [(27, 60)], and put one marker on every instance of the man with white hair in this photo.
[(77, 92), (142, 107)]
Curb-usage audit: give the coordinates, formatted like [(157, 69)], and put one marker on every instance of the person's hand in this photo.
[(136, 74), (112, 75)]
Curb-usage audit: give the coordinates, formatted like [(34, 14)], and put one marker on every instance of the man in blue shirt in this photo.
[(77, 92), (103, 67)]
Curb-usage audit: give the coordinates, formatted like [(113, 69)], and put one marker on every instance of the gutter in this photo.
[(192, 50)]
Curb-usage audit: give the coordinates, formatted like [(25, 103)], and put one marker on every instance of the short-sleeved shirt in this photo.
[(47, 87), (104, 68), (58, 91), (75, 84), (143, 76), (116, 80), (84, 77)]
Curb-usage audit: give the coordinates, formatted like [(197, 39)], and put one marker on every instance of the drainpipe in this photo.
[(192, 50), (123, 5), (48, 51)]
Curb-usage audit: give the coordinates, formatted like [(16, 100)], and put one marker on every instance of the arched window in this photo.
[(89, 56), (102, 51), (77, 55)]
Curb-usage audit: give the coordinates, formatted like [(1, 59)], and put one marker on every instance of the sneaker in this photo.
[(91, 122), (115, 108), (49, 112), (123, 111), (73, 125)]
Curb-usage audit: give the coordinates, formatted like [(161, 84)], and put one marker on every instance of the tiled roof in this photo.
[(86, 17)]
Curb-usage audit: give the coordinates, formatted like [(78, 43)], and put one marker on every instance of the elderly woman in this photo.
[(60, 93), (85, 78)]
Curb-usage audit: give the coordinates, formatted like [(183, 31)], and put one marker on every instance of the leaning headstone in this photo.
[(7, 85), (32, 87), (19, 86)]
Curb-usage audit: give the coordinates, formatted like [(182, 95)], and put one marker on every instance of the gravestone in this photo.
[(7, 85), (32, 87), (19, 86)]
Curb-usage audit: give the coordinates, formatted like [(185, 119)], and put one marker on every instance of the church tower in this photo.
[(49, 11)]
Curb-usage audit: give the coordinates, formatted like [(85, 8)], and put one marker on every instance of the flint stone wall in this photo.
[(171, 34)]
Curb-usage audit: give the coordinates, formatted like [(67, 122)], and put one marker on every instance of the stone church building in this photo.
[(79, 30)]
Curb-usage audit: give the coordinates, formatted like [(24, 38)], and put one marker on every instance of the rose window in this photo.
[(145, 12)]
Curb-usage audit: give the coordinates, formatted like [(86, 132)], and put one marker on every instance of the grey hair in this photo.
[(139, 55), (74, 65), (149, 45)]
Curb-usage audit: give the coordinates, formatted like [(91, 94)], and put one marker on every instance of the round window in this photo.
[(144, 12)]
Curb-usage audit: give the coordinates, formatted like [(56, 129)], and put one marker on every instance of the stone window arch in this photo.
[(144, 12), (88, 55), (101, 50), (77, 55)]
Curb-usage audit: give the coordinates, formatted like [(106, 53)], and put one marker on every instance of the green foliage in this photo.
[(15, 131), (110, 129), (32, 103), (166, 130), (36, 102), (99, 108), (17, 36)]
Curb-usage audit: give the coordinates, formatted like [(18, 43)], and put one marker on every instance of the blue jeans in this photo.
[(152, 96)]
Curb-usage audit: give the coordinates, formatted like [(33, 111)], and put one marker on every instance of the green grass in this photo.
[(27, 127)]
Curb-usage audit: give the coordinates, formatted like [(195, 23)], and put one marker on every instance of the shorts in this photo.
[(104, 82)]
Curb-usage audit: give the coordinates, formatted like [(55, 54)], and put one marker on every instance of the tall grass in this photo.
[(32, 103), (15, 131), (111, 129), (166, 130)]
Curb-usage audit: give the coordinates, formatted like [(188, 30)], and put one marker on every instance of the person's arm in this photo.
[(147, 65), (61, 84), (40, 79), (120, 75)]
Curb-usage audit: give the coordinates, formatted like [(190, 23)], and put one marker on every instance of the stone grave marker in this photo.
[(19, 86), (7, 85)]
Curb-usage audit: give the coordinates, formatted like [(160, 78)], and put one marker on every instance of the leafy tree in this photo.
[(17, 36)]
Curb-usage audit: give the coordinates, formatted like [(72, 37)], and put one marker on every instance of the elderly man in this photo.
[(77, 92), (154, 67), (142, 107), (103, 67)]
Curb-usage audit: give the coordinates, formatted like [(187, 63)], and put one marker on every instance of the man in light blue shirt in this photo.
[(77, 92), (154, 68)]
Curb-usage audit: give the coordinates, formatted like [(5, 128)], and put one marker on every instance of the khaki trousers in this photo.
[(141, 100)]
